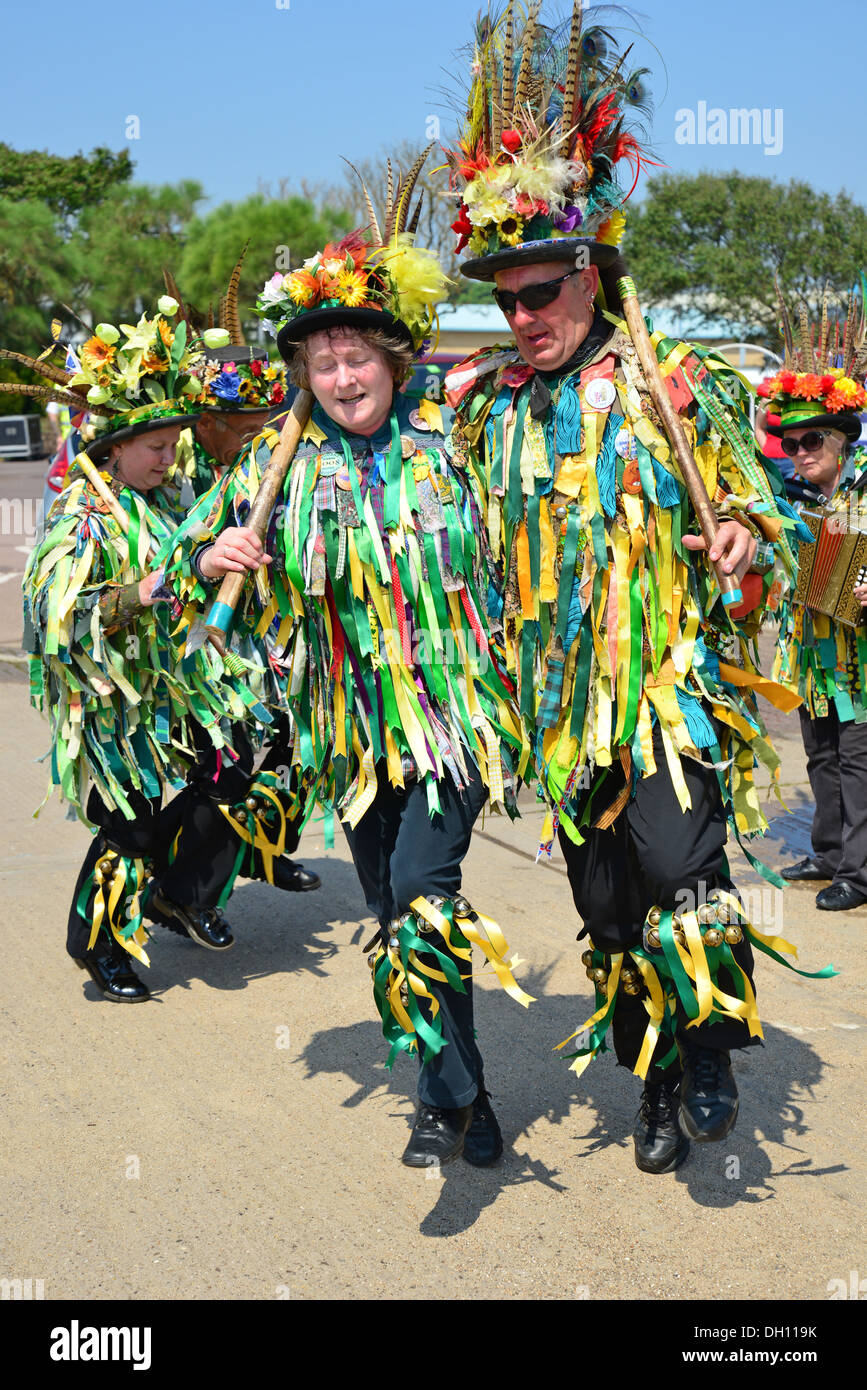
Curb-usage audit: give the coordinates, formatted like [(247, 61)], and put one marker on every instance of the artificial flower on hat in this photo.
[(545, 128), (375, 276)]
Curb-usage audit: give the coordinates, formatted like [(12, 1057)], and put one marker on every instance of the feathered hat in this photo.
[(375, 277), (545, 128), (821, 381), (235, 377), (129, 379)]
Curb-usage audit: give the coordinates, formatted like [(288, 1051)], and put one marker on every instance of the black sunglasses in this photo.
[(812, 440), (531, 296)]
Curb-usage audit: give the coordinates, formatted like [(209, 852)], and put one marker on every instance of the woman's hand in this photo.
[(238, 548), (733, 544), (146, 588)]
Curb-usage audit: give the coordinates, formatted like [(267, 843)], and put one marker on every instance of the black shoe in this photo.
[(204, 925), (708, 1094), (839, 897), (294, 878), (437, 1136), (804, 869), (483, 1142), (113, 976), (660, 1144)]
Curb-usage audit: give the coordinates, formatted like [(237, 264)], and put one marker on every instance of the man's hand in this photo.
[(734, 545), (860, 592), (238, 548)]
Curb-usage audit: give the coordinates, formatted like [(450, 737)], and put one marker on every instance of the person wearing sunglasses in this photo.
[(825, 660), (614, 631)]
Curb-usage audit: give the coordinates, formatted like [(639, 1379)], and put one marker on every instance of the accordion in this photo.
[(830, 566)]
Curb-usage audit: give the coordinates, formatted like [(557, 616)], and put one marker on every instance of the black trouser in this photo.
[(206, 850), (654, 855), (400, 854), (837, 768)]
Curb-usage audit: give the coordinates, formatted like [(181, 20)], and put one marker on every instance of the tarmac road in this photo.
[(239, 1136)]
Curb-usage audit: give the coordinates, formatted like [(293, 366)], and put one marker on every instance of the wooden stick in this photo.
[(94, 477), (698, 496), (222, 612)]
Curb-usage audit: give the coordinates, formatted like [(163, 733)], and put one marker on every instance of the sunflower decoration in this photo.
[(375, 276)]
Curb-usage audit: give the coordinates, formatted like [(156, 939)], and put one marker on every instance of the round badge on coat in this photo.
[(623, 444), (599, 395), (418, 422)]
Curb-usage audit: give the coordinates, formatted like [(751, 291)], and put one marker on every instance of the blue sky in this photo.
[(238, 92)]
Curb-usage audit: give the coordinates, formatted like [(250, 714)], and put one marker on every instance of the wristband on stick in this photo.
[(698, 496), (222, 613)]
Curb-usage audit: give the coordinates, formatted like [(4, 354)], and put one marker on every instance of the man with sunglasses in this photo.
[(824, 660), (643, 727)]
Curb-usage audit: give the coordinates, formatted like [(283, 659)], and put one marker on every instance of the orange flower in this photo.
[(809, 387), (96, 353), (166, 333), (304, 288), (152, 362)]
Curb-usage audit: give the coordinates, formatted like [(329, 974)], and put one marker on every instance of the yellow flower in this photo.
[(611, 232), (511, 230), (484, 203), (478, 243), (352, 287)]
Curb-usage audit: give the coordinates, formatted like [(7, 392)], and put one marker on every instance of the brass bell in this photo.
[(706, 914), (589, 972), (240, 817), (600, 975), (654, 917), (404, 996), (106, 865), (733, 935), (587, 958), (713, 937), (436, 903), (252, 803), (680, 938), (371, 960), (393, 943), (724, 913), (462, 907), (632, 988), (653, 940), (629, 976)]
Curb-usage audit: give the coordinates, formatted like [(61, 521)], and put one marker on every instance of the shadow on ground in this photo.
[(531, 1086)]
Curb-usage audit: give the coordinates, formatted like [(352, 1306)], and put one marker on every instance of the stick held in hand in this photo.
[(222, 611), (698, 496)]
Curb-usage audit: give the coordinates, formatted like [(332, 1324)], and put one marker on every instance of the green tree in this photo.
[(282, 232), (39, 269), (124, 243), (64, 184), (715, 241)]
